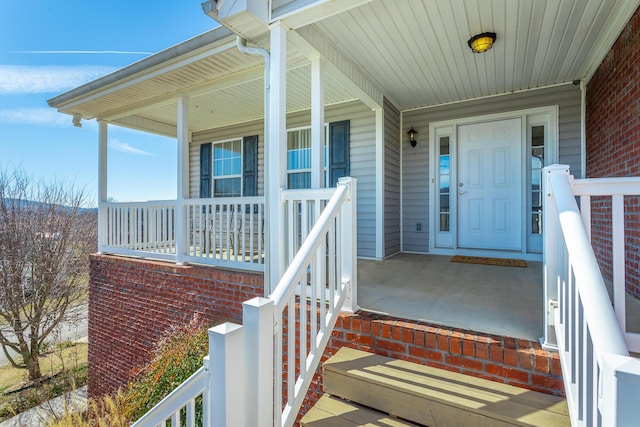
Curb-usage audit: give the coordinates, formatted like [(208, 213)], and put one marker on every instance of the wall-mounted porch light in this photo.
[(482, 42), (412, 136)]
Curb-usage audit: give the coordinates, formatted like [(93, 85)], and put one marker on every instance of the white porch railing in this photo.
[(260, 372), (602, 381), (225, 231), (142, 228)]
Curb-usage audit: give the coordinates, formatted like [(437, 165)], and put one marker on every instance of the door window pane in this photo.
[(536, 163), (444, 168)]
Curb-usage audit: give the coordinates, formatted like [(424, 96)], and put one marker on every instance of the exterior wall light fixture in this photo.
[(482, 42), (412, 136)]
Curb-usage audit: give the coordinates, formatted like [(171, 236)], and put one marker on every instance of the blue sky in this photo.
[(50, 47)]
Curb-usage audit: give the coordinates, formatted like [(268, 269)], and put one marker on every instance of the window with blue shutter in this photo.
[(229, 168)]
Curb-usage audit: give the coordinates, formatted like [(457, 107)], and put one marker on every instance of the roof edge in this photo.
[(180, 49)]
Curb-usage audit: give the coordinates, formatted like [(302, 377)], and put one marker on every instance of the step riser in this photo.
[(436, 397), (506, 360)]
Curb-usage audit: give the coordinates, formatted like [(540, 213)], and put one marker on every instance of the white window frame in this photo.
[(214, 178)]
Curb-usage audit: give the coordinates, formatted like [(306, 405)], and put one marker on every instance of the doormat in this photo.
[(505, 262)]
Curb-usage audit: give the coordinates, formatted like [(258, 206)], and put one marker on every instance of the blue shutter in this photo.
[(250, 166), (205, 170), (338, 151)]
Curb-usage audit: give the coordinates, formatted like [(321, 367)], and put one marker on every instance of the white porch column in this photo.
[(183, 178), (317, 124), (379, 182), (276, 164), (102, 183)]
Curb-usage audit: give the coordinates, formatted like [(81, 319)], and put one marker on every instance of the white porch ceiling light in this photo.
[(481, 43)]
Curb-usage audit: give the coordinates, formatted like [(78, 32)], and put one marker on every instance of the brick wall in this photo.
[(133, 303), (613, 142), (506, 360)]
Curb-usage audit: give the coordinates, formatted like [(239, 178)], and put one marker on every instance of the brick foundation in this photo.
[(613, 144), (133, 303)]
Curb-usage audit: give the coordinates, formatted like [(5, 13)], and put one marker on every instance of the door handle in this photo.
[(461, 192)]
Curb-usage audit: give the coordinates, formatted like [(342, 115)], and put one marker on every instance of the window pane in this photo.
[(444, 222), (444, 145), (227, 187), (537, 136), (299, 180)]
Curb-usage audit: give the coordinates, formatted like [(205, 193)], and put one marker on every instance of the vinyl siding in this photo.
[(415, 160), (362, 159), (391, 179)]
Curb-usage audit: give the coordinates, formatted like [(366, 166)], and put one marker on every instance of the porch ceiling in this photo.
[(414, 51)]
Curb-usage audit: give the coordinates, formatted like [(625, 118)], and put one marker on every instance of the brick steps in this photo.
[(422, 394), (522, 363)]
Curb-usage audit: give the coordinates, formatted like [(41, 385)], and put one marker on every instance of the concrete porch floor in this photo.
[(484, 298)]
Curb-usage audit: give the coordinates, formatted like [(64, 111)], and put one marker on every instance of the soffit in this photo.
[(417, 53)]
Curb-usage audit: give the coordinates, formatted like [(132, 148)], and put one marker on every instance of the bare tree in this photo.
[(46, 236)]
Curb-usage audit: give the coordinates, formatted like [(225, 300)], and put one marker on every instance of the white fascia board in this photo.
[(300, 13), (192, 50), (312, 43), (147, 125)]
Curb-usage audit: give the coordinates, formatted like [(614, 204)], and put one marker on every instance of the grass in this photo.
[(67, 361)]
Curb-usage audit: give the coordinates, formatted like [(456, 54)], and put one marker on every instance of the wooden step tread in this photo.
[(435, 397), (334, 412)]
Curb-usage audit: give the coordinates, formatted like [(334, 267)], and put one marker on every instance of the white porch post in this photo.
[(317, 124), (379, 182), (257, 319), (349, 261), (276, 168), (183, 179), (226, 377), (102, 184), (551, 254)]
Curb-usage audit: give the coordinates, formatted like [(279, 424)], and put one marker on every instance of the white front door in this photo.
[(489, 187)]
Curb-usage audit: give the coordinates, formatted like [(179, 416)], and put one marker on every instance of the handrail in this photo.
[(603, 325), (598, 373), (332, 288), (182, 397), (286, 286)]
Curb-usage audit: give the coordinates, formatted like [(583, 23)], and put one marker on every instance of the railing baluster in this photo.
[(618, 255)]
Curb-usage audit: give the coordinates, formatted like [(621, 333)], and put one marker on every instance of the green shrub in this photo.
[(176, 358)]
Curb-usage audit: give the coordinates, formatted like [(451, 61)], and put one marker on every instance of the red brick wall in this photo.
[(506, 360), (133, 302), (613, 141)]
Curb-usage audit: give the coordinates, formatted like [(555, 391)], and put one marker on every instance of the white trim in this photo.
[(497, 95), (318, 130), (401, 152), (380, 167), (583, 130), (551, 151)]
